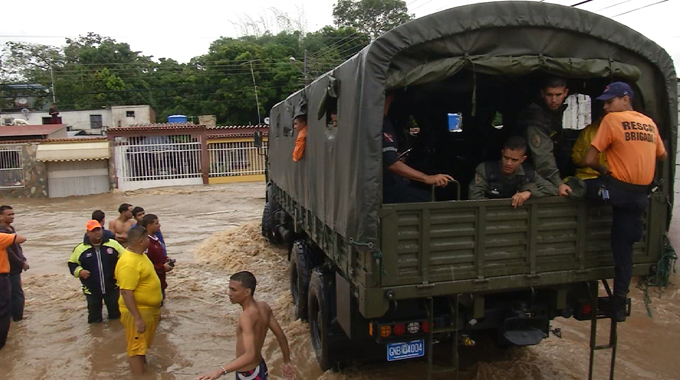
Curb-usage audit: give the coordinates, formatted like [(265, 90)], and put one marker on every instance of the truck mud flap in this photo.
[(525, 331)]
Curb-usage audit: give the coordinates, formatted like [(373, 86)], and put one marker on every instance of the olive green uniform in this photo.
[(543, 130), (480, 188)]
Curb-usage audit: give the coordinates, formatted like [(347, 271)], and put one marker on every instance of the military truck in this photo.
[(394, 279)]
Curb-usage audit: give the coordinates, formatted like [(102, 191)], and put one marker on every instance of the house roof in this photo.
[(213, 131), (58, 140), (213, 135), (30, 130), (238, 127), (156, 127)]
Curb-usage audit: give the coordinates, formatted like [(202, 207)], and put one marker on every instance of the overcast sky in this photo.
[(156, 28)]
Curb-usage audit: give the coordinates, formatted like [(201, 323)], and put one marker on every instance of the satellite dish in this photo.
[(266, 120), (25, 112)]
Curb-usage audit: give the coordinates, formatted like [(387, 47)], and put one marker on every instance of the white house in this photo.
[(93, 122)]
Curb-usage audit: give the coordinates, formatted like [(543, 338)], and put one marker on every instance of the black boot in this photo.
[(618, 309)]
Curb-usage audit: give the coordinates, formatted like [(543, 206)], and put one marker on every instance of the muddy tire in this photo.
[(300, 274), (319, 301), (268, 223)]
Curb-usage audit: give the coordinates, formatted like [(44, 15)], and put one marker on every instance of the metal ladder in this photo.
[(596, 314), (453, 327)]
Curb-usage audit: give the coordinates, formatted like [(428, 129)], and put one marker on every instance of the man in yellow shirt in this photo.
[(140, 298), (590, 176)]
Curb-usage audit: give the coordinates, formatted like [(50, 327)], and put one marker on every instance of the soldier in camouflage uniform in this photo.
[(510, 177), (541, 124)]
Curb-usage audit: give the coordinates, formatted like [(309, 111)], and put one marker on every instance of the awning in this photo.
[(73, 151)]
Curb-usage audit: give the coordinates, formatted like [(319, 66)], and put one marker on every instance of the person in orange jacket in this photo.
[(300, 125)]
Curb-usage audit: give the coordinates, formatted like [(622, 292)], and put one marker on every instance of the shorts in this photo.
[(137, 344), (259, 373)]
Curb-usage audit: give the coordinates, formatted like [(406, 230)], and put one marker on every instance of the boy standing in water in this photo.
[(252, 328)]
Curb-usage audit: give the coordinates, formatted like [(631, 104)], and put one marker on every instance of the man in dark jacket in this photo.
[(94, 262), (541, 124), (99, 216), (17, 262)]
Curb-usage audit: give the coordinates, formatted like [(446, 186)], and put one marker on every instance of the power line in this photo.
[(612, 6), (423, 4), (637, 9), (155, 37)]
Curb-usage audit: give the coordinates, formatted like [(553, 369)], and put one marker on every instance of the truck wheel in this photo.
[(300, 274), (319, 302), (268, 223)]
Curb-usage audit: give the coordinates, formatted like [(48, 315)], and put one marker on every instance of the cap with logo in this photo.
[(616, 90), (92, 224)]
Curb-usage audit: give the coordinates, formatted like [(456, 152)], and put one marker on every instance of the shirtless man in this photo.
[(253, 324), (122, 224)]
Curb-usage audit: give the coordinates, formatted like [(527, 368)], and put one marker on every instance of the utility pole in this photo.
[(54, 95), (305, 72), (257, 101)]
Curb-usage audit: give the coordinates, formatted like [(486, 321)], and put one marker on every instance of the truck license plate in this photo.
[(405, 350)]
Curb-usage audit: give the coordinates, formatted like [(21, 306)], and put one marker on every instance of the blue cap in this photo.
[(616, 90)]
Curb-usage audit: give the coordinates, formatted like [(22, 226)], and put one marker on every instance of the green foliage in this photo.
[(93, 72), (373, 17)]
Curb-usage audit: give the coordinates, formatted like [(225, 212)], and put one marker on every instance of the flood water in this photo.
[(214, 231)]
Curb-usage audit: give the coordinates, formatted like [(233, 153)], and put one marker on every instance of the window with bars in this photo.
[(11, 167)]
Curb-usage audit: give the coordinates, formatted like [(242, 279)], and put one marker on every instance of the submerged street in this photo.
[(214, 231)]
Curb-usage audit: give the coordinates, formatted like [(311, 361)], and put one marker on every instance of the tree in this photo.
[(373, 17), (28, 62)]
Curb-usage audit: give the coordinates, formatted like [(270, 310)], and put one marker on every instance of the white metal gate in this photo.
[(77, 178), (230, 159), (155, 161)]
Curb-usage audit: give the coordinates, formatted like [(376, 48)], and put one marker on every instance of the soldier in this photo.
[(632, 144), (396, 188), (541, 125), (510, 177)]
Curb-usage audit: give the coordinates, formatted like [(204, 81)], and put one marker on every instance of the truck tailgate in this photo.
[(476, 240)]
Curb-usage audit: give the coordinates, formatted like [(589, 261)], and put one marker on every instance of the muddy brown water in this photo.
[(213, 231)]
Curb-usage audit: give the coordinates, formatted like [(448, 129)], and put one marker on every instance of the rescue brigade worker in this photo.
[(300, 125), (541, 125), (6, 240), (632, 144), (94, 261), (396, 174), (588, 175), (510, 177), (100, 216)]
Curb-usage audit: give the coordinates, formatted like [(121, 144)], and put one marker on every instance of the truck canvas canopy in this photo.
[(340, 177)]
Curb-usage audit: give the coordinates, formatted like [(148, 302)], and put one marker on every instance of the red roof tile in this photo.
[(76, 139), (156, 127), (230, 135), (238, 127), (30, 130)]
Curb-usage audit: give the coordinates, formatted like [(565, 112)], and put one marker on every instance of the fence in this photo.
[(230, 159), (154, 161), (11, 167)]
